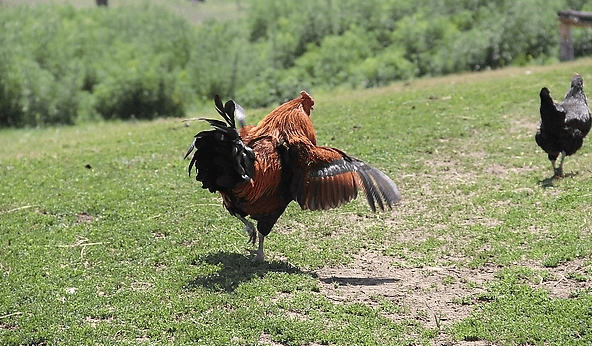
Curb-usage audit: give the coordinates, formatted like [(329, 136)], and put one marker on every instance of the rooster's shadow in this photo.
[(236, 269)]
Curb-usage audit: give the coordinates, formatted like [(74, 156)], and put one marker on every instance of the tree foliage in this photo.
[(59, 64)]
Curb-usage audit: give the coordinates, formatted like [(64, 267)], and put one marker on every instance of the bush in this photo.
[(31, 95), (59, 64), (337, 58), (272, 86), (386, 67), (142, 90)]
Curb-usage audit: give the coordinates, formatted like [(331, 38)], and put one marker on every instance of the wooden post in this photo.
[(566, 49), (567, 19)]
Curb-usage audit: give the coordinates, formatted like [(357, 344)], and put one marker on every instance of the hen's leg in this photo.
[(559, 170), (259, 257), (249, 228)]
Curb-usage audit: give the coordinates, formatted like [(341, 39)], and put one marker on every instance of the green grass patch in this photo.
[(520, 315), (106, 240)]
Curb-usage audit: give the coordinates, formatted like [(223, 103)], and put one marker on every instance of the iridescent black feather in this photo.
[(221, 160)]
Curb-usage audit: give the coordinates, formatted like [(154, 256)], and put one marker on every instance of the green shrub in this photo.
[(214, 65), (273, 86), (59, 64), (10, 88), (582, 41), (139, 89), (31, 95), (337, 58), (384, 68)]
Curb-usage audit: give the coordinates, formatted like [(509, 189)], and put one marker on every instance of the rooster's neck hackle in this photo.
[(289, 122)]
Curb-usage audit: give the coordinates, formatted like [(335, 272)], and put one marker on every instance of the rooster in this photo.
[(563, 125), (260, 169)]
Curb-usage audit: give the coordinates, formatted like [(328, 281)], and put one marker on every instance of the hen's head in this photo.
[(577, 87), (577, 81)]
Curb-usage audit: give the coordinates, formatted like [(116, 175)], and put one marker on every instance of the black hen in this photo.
[(563, 125)]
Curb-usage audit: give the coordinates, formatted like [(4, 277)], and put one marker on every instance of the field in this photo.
[(106, 240)]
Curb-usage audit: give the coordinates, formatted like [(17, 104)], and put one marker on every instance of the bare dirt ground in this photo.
[(560, 285), (433, 296)]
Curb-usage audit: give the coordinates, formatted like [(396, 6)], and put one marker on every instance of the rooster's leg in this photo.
[(264, 226), (259, 257), (249, 228)]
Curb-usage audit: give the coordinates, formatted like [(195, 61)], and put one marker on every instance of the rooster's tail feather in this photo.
[(221, 159)]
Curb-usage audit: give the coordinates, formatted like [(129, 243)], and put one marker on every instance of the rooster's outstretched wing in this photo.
[(326, 178)]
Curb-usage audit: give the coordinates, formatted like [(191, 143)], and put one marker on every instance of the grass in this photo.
[(520, 315), (106, 240)]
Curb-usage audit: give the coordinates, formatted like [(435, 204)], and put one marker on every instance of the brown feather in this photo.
[(334, 187), (338, 191), (325, 193), (306, 193)]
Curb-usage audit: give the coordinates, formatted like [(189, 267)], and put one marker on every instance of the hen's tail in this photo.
[(552, 113), (221, 160)]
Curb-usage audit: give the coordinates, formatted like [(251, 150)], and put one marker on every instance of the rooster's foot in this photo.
[(252, 235), (259, 257), (249, 228)]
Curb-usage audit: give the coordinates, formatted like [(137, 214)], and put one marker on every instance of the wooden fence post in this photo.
[(567, 19), (566, 49)]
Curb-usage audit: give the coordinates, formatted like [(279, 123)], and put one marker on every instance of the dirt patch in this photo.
[(265, 339), (527, 125), (433, 296), (94, 322), (495, 169), (447, 170), (499, 170), (565, 279), (83, 217), (7, 327)]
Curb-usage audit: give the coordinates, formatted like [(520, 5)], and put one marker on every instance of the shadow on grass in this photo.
[(358, 281), (235, 269), (547, 182), (550, 182)]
